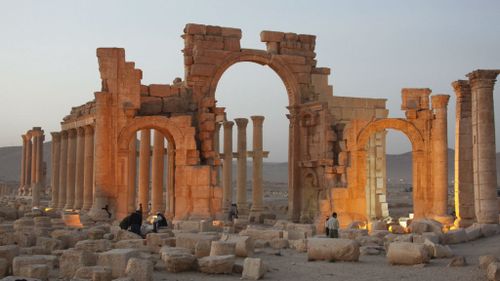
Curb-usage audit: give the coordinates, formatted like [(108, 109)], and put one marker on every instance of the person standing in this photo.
[(333, 226), (326, 226), (136, 222)]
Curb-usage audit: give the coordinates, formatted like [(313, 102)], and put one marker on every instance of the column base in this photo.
[(444, 220), (463, 223)]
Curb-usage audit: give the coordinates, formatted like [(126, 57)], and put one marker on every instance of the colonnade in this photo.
[(155, 180), (31, 180), (72, 175), (6, 190), (257, 155)]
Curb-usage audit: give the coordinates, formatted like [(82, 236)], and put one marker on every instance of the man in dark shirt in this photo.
[(136, 222)]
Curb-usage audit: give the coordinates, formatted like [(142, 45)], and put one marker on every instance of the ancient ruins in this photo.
[(157, 146)]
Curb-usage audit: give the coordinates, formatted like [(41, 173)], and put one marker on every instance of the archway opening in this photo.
[(245, 90)]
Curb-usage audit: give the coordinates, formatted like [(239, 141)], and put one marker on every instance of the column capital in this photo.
[(25, 137), (89, 129), (71, 133), (56, 136), (64, 134), (241, 122), (461, 87), (80, 131), (483, 78), (228, 124), (257, 120), (440, 101)]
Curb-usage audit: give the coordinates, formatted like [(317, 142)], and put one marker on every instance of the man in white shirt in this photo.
[(333, 226)]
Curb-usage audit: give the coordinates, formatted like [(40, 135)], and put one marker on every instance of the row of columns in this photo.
[(5, 190), (257, 155), (151, 169), (31, 181), (73, 168), (475, 154)]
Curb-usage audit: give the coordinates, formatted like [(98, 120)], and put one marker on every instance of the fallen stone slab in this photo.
[(38, 271), (117, 260), (330, 249), (189, 240), (19, 262), (72, 259), (455, 236), (253, 269), (100, 245), (95, 273), (405, 253), (177, 259), (244, 244), (216, 264), (457, 261), (222, 248), (262, 234), (139, 269)]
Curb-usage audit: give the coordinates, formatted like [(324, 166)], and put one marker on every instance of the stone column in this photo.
[(132, 172), (464, 180), (241, 191), (71, 169), (227, 189), (440, 156), (88, 168), (35, 181), (23, 164), (170, 197), (34, 153), (63, 170), (79, 172), (144, 160), (217, 151), (483, 145), (258, 154), (54, 177), (27, 180), (157, 173)]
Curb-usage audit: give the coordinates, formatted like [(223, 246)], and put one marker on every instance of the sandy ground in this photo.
[(294, 266)]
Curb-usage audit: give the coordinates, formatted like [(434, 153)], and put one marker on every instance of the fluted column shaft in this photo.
[(258, 154), (23, 164), (63, 170), (483, 143), (56, 154), (88, 168), (241, 191), (27, 180), (132, 172), (71, 169), (227, 190), (79, 168), (144, 161), (170, 197), (464, 180), (157, 172), (35, 192), (34, 153), (440, 154)]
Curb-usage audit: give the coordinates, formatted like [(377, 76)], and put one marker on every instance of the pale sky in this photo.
[(374, 48)]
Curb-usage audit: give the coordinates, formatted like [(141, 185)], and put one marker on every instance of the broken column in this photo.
[(227, 190), (258, 154), (63, 167), (464, 180), (440, 156), (483, 145), (144, 159), (79, 176), (241, 191), (88, 168), (71, 169), (54, 177), (157, 172)]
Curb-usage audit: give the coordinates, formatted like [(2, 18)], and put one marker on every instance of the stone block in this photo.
[(132, 244), (117, 260), (298, 245), (202, 248), (177, 259), (455, 236), (425, 225), (9, 252), (126, 235), (231, 32), (49, 244), (493, 271), (457, 261), (244, 244), (484, 261), (279, 243), (473, 232), (100, 245), (195, 29), (73, 259), (157, 240), (189, 240), (271, 36), (4, 267), (94, 273), (216, 264), (139, 269), (20, 262), (38, 271), (352, 233), (159, 90), (262, 234), (488, 230), (96, 233), (438, 251), (222, 248), (332, 249), (25, 239), (69, 238), (253, 269), (406, 253), (377, 225)]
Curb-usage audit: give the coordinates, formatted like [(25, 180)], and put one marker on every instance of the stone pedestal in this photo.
[(88, 168), (440, 156), (483, 145), (258, 154), (227, 189), (464, 180), (157, 173), (241, 191)]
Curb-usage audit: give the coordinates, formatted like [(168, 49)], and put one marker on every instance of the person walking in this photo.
[(333, 226)]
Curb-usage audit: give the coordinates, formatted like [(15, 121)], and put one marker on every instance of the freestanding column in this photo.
[(241, 191), (170, 197), (440, 155), (483, 144), (35, 186), (227, 190), (54, 177), (27, 180), (63, 170), (34, 153), (258, 154), (132, 172), (464, 180), (71, 168), (88, 168), (23, 164), (144, 159), (157, 173), (79, 168)]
